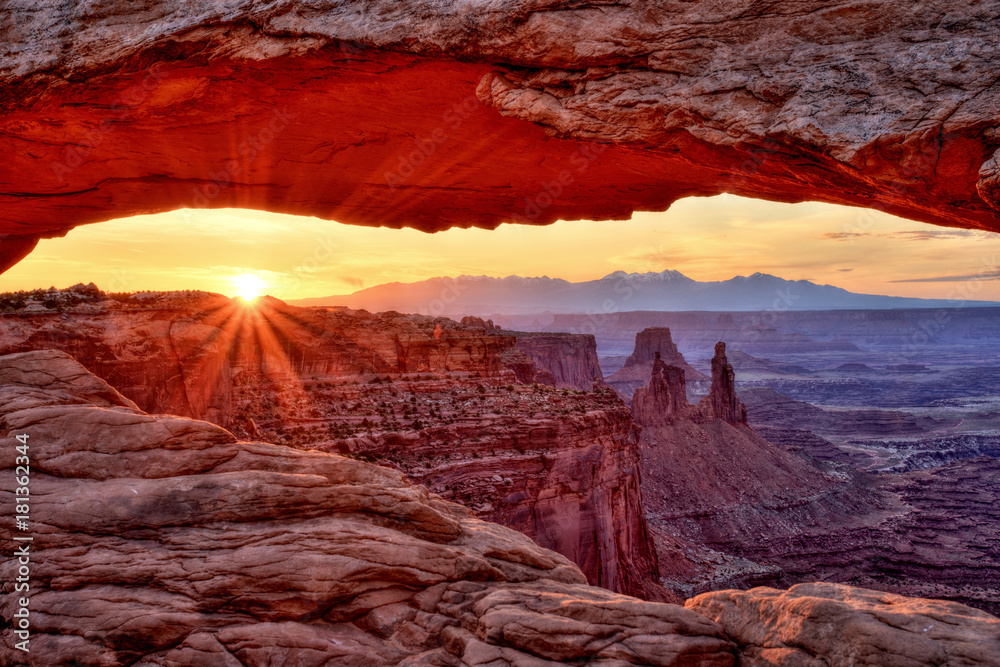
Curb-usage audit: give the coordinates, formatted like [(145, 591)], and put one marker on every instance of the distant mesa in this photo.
[(908, 368), (479, 323), (649, 343), (855, 367)]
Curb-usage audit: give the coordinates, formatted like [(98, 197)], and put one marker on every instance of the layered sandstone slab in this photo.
[(167, 541), (570, 358), (434, 114), (817, 624)]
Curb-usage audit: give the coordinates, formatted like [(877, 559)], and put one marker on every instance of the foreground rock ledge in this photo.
[(436, 114), (820, 624), (161, 540)]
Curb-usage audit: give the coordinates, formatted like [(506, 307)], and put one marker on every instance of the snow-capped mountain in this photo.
[(616, 292)]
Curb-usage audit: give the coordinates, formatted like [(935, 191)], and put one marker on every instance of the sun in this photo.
[(249, 286)]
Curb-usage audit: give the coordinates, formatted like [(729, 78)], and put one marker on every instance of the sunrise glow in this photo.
[(248, 286)]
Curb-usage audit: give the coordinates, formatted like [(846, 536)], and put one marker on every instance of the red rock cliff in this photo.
[(570, 358), (722, 401), (649, 343), (368, 113), (224, 552), (664, 399), (434, 398)]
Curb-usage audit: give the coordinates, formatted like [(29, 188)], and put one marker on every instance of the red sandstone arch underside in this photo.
[(437, 114)]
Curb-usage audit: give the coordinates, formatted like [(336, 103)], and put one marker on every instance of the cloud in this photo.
[(928, 235), (984, 275), (353, 282), (842, 236), (845, 270)]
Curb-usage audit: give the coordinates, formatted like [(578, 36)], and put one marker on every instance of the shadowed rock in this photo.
[(664, 400)]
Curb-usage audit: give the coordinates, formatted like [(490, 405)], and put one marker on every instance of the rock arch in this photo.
[(433, 114)]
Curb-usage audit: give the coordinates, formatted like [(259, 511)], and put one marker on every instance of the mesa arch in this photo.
[(432, 114)]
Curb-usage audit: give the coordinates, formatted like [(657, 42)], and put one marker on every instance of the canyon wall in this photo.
[(570, 358), (454, 406), (218, 551), (375, 113)]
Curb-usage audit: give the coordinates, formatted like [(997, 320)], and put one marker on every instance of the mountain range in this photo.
[(616, 292)]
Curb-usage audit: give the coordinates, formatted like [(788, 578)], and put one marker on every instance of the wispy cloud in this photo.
[(842, 236), (928, 235), (352, 281), (845, 270), (986, 275)]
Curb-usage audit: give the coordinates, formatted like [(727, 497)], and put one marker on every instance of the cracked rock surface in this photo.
[(434, 114), (160, 540), (818, 624)]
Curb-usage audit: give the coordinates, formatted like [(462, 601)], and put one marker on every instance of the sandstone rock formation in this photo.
[(164, 541), (443, 403), (716, 493), (160, 540), (729, 508), (664, 399), (649, 343), (654, 342), (570, 358), (376, 113), (818, 624), (180, 353), (722, 401), (479, 323)]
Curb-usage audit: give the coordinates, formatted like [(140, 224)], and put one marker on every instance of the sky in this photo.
[(234, 250)]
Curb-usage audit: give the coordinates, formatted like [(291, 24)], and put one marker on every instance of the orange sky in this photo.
[(704, 238)]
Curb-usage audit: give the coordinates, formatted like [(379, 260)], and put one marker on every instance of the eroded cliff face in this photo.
[(570, 358), (180, 353), (663, 401), (453, 406), (722, 401), (650, 343), (163, 540), (217, 551), (729, 509), (377, 112)]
